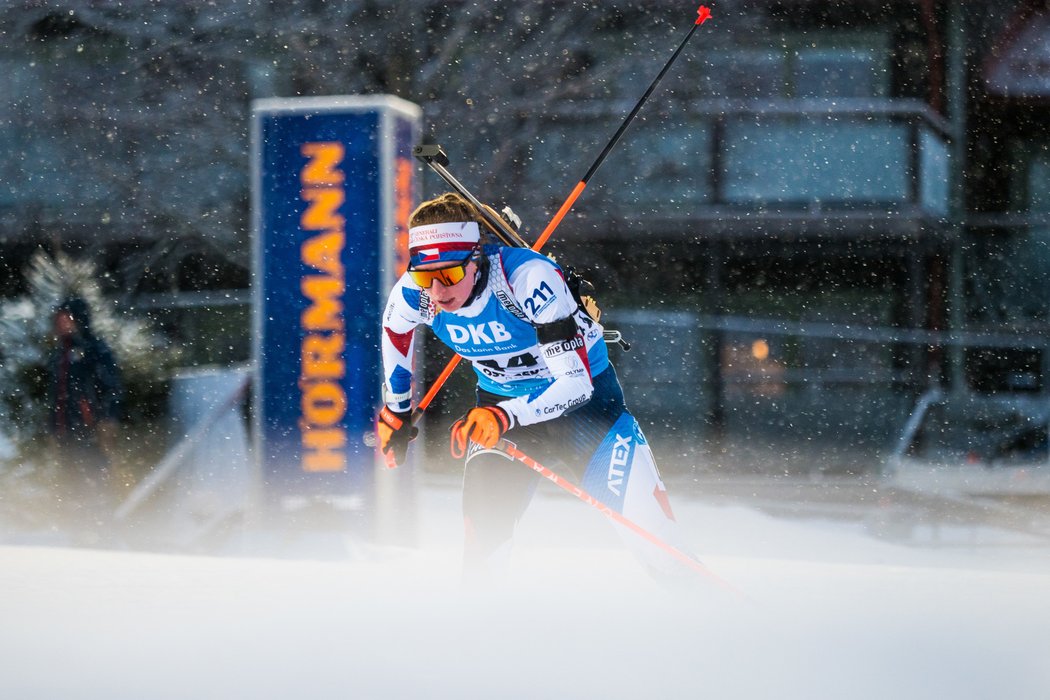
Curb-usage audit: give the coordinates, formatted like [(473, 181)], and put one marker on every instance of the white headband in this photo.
[(443, 234)]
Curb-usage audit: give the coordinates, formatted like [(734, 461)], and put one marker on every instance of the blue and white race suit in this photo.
[(564, 399), (496, 332)]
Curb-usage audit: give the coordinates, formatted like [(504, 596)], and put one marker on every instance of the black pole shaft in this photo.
[(434, 157), (634, 112)]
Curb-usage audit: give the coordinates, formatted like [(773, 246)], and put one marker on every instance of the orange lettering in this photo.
[(326, 308), (324, 438), (322, 210), (403, 201), (323, 400), (322, 356), (324, 461), (324, 252), (321, 169), (323, 403)]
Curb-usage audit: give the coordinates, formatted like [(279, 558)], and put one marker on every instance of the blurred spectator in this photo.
[(85, 393)]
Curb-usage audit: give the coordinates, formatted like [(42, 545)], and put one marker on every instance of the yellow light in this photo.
[(760, 349)]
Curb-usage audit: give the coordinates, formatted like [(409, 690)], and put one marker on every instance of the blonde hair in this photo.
[(449, 207)]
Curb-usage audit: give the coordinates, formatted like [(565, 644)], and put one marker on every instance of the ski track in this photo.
[(813, 609)]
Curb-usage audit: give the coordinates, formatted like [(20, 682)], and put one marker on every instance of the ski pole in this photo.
[(510, 449), (703, 14)]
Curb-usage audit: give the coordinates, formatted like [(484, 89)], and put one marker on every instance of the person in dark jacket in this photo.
[(85, 396)]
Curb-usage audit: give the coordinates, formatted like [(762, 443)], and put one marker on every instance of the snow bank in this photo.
[(835, 614)]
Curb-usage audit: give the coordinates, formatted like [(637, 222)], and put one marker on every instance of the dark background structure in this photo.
[(827, 208)]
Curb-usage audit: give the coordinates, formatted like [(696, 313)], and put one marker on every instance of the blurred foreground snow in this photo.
[(826, 611)]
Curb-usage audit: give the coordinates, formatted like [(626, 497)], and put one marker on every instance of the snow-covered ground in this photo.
[(814, 607)]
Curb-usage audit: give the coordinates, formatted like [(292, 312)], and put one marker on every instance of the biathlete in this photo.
[(545, 383)]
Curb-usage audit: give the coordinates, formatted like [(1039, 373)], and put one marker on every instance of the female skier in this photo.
[(545, 383)]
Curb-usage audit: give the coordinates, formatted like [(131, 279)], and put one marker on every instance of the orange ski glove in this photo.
[(484, 425), (395, 431)]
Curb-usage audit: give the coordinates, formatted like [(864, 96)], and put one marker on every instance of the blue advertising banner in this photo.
[(333, 185)]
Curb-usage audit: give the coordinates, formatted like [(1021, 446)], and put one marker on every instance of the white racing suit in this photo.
[(542, 359)]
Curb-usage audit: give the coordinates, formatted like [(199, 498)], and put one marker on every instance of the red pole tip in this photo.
[(704, 14)]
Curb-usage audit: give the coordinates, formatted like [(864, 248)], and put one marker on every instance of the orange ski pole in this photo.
[(703, 14), (696, 565)]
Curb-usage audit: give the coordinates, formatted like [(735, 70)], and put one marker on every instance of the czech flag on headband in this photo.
[(428, 255), (447, 242)]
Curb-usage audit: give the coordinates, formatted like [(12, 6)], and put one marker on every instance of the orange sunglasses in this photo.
[(448, 276)]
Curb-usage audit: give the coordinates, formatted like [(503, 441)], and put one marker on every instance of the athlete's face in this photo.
[(451, 297)]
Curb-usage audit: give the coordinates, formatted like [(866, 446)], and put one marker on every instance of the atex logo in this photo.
[(621, 457), (479, 334)]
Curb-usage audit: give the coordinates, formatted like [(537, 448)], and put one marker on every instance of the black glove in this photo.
[(394, 431)]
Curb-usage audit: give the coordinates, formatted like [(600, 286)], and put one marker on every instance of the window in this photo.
[(841, 72), (799, 67)]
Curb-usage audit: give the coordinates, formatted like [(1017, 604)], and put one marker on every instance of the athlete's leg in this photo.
[(621, 472), (496, 491), (623, 475)]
